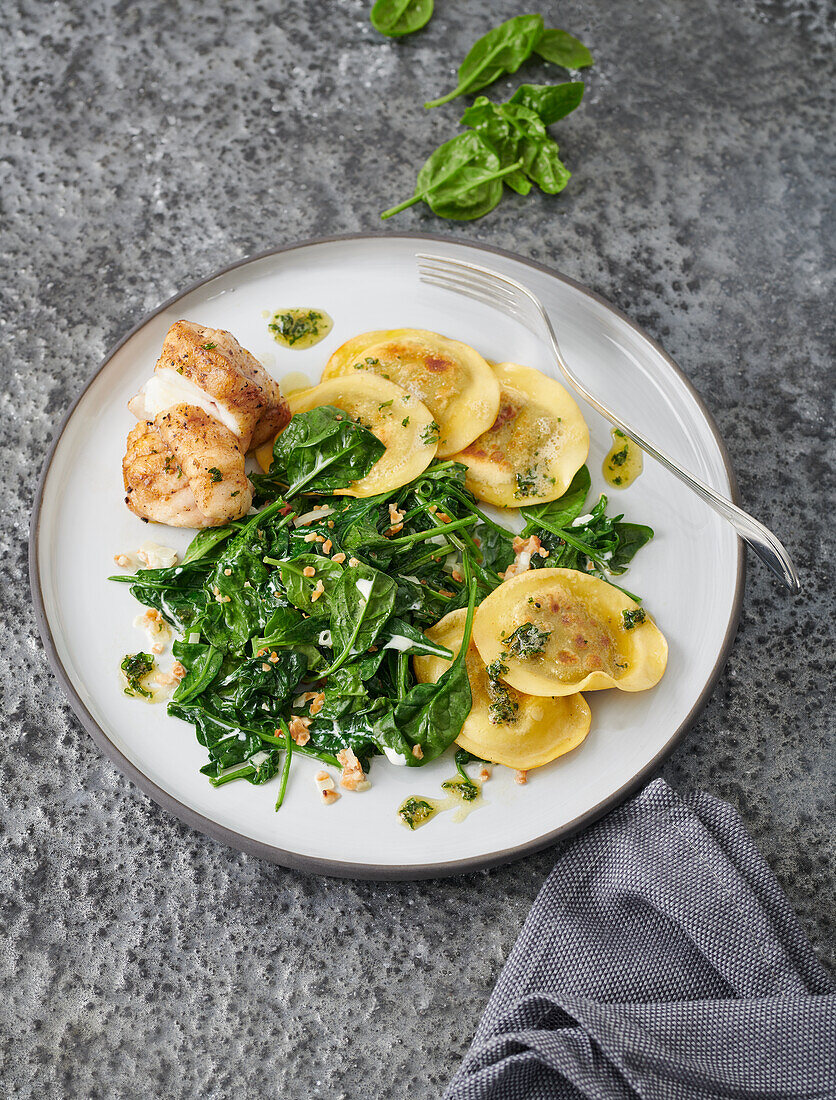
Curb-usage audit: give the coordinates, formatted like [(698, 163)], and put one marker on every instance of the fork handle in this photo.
[(762, 541)]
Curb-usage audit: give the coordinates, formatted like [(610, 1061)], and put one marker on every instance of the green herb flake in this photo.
[(215, 474), (633, 617), (385, 405), (405, 422), (430, 434), (527, 641), (208, 347)]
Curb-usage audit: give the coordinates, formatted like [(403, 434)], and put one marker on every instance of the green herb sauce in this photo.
[(300, 328), (624, 462)]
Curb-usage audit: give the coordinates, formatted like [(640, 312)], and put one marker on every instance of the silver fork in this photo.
[(515, 300)]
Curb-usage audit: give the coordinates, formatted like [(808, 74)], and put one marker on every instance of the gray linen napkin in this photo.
[(660, 960)]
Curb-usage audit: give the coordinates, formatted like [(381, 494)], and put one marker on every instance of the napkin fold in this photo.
[(660, 960)]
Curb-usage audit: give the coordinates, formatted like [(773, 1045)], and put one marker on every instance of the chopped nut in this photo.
[(299, 729), (521, 778), (485, 774), (352, 562), (165, 678), (338, 558), (456, 575), (417, 752), (247, 584), (352, 773), (261, 653), (123, 560), (311, 536), (396, 515), (394, 530), (265, 667), (309, 571), (178, 670), (317, 702), (273, 658), (327, 546), (318, 591), (227, 572), (329, 796), (331, 523), (443, 517)]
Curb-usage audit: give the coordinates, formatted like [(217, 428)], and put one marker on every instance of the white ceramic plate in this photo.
[(691, 574)]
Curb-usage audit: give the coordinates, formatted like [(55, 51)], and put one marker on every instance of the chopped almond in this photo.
[(338, 558), (178, 670), (309, 571), (443, 517), (299, 729), (311, 536), (521, 778), (352, 562), (417, 752), (485, 774), (317, 702), (324, 781), (329, 796), (352, 774), (227, 572), (318, 591), (394, 530), (327, 546), (456, 575), (123, 560)]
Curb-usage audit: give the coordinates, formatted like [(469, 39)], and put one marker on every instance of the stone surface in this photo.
[(145, 144)]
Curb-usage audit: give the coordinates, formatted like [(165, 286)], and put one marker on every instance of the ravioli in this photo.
[(505, 725), (455, 383), (535, 446), (402, 424), (559, 631)]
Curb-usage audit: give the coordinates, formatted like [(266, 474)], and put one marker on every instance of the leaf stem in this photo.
[(288, 756)]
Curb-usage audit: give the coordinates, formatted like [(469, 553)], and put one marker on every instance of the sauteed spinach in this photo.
[(311, 609)]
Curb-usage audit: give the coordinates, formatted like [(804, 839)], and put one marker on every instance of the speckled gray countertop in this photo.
[(147, 143)]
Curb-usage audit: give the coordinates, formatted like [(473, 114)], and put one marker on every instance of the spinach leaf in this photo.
[(258, 680), (562, 49), (497, 549), (395, 18), (403, 632), (432, 715), (557, 514), (322, 450), (202, 663), (631, 538), (550, 101), (361, 602), (207, 540), (461, 180), (288, 627), (502, 50), (300, 588), (516, 133)]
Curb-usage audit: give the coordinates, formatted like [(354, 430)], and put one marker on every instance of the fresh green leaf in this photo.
[(502, 50), (301, 589), (549, 101), (206, 541), (461, 180), (561, 48), (516, 134), (560, 513), (400, 632), (361, 602), (202, 663), (432, 715), (395, 18), (631, 538), (322, 450)]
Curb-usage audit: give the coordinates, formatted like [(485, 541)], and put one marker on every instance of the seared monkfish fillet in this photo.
[(208, 402)]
